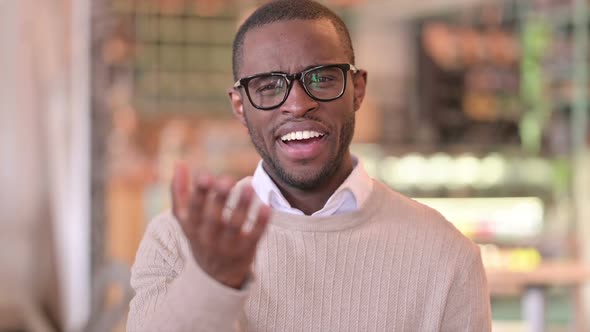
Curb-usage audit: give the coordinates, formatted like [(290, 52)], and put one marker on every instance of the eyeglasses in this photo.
[(322, 83)]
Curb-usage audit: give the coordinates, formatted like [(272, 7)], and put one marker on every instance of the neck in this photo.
[(311, 200)]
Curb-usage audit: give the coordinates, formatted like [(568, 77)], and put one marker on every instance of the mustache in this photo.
[(306, 117)]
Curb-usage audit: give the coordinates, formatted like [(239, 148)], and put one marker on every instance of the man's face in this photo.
[(289, 47)]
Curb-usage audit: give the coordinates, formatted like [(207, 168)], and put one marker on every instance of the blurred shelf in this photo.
[(548, 273)]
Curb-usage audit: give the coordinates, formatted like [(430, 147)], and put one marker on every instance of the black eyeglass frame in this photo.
[(345, 67)]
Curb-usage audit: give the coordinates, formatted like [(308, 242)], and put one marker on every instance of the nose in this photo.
[(298, 102)]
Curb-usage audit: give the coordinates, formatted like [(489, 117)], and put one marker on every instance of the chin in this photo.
[(304, 183), (306, 178)]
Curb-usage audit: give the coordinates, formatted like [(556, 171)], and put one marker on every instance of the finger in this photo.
[(180, 191), (262, 220), (201, 189), (240, 213), (212, 220)]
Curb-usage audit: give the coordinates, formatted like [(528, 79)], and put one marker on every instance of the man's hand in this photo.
[(222, 248)]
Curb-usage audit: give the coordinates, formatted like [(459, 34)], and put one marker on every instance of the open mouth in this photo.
[(306, 136), (304, 144)]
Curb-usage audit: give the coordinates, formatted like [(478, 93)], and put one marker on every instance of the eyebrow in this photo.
[(304, 69)]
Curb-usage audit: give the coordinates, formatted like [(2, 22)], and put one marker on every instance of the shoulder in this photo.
[(403, 207), (411, 214), (164, 226), (163, 238)]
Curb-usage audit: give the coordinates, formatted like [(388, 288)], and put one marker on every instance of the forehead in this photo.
[(291, 46)]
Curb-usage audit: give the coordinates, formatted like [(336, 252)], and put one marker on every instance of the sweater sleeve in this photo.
[(468, 303), (172, 292)]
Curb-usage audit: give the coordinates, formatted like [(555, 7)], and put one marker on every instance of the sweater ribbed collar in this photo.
[(332, 223)]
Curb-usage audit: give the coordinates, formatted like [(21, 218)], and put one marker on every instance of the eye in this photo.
[(267, 87), (324, 78), (321, 78)]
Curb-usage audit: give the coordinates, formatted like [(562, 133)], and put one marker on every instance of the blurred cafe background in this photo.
[(479, 108)]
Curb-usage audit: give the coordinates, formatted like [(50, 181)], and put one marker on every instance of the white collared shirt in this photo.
[(351, 194)]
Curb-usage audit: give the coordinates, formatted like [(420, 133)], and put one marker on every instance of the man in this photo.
[(310, 242)]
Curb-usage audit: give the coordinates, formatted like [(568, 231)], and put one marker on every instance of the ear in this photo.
[(360, 85), (237, 104)]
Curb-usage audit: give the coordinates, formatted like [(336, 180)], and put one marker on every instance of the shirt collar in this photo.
[(350, 196)]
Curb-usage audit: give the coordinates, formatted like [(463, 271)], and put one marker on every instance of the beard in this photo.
[(307, 180)]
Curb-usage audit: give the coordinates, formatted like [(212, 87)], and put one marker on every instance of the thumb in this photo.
[(181, 190)]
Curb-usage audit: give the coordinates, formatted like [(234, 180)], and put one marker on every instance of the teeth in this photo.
[(299, 135)]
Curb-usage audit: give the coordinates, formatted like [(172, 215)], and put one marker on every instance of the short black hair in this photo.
[(285, 10)]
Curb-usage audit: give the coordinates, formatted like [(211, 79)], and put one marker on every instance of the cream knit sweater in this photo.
[(393, 265)]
